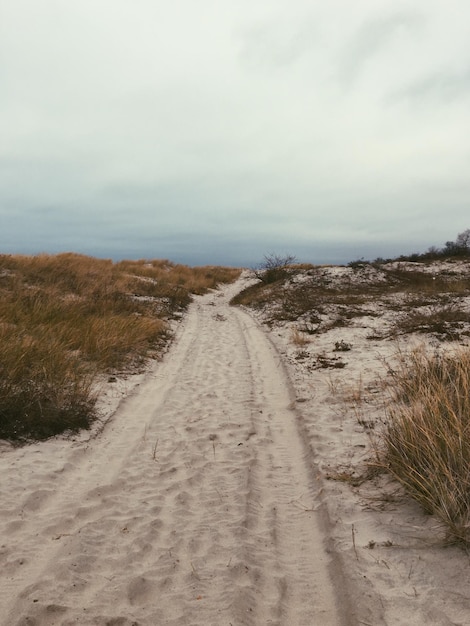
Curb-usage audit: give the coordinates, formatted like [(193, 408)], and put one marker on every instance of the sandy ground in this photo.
[(210, 496), (398, 568), (197, 503)]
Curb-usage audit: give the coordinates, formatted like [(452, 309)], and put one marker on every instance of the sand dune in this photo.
[(398, 568), (219, 493), (197, 503)]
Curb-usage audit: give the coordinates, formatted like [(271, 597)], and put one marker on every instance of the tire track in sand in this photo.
[(195, 506)]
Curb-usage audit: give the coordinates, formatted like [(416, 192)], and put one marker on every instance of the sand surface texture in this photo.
[(197, 503), (398, 566)]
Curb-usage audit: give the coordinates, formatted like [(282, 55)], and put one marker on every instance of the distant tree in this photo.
[(459, 247), (274, 267), (433, 253), (463, 239), (451, 249)]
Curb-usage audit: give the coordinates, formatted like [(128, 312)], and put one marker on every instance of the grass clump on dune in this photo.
[(427, 437), (44, 390), (65, 319)]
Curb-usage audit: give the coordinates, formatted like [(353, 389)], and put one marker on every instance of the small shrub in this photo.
[(323, 361), (274, 268), (342, 346), (358, 264)]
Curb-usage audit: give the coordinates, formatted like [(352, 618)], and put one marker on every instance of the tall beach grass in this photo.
[(67, 318), (427, 435)]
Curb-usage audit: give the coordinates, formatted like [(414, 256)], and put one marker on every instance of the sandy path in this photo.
[(196, 505)]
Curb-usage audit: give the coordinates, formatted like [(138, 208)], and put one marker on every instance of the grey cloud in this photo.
[(373, 36), (276, 44), (437, 87)]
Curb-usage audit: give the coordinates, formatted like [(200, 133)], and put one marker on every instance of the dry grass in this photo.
[(65, 318), (425, 444), (298, 337), (448, 322), (314, 296), (427, 437), (44, 390)]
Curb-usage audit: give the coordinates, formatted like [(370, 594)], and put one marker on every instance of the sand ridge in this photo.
[(197, 503)]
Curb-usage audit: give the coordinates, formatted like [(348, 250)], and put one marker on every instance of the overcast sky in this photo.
[(216, 131)]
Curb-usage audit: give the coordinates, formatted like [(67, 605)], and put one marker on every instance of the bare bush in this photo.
[(274, 267)]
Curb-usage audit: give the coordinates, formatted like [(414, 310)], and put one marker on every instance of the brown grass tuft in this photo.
[(427, 437), (298, 338)]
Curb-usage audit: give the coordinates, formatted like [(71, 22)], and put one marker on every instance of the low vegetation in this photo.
[(321, 299), (426, 441), (66, 319)]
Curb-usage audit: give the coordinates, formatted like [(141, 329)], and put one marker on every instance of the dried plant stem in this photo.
[(154, 455), (353, 533)]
